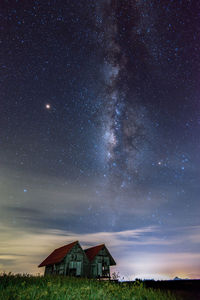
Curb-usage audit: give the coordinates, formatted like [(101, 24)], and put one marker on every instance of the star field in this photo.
[(100, 122)]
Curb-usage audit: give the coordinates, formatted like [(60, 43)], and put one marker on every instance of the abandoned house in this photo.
[(72, 260), (100, 261)]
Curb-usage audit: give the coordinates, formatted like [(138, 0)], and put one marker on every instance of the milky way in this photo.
[(99, 128), (124, 119)]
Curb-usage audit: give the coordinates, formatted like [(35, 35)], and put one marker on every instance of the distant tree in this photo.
[(115, 276)]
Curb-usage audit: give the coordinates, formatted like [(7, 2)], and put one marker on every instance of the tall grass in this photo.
[(25, 287)]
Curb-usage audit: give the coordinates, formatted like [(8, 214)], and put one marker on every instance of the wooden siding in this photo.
[(76, 263), (100, 266)]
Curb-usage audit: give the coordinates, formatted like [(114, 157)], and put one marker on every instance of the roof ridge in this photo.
[(66, 245), (95, 246), (92, 252), (58, 254)]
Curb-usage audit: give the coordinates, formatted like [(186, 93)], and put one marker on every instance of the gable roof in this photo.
[(93, 251), (57, 255)]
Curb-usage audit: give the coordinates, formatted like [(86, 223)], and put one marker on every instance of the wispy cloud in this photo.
[(34, 214), (130, 248)]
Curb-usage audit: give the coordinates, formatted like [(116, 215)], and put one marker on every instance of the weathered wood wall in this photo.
[(76, 263), (100, 266)]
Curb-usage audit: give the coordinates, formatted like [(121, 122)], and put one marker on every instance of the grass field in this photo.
[(25, 287)]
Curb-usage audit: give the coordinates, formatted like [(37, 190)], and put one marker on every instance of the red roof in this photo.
[(57, 255), (93, 251)]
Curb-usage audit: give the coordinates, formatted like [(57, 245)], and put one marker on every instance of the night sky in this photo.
[(100, 133)]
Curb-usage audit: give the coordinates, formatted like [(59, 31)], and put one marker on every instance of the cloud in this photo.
[(22, 251), (46, 216), (165, 264)]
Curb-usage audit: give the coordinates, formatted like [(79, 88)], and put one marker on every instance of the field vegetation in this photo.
[(26, 287)]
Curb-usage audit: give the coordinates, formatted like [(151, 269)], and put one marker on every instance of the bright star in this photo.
[(48, 106)]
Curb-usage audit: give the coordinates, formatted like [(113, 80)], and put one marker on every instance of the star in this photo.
[(101, 125), (48, 106)]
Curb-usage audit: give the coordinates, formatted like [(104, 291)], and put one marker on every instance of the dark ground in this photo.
[(185, 289)]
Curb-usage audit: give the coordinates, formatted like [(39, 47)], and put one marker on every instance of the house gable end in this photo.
[(100, 250), (57, 255), (112, 261), (75, 253)]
